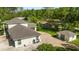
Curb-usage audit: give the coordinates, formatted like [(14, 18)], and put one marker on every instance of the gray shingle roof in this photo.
[(20, 20), (67, 33), (22, 32), (17, 20), (31, 25)]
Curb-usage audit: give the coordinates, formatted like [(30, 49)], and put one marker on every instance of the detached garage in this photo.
[(66, 35)]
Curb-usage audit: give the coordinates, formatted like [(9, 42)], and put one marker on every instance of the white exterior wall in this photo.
[(39, 38), (72, 38), (25, 42), (69, 38), (16, 44)]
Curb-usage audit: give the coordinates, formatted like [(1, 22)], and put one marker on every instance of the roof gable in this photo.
[(67, 33)]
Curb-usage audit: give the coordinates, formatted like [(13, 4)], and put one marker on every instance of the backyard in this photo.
[(50, 31)]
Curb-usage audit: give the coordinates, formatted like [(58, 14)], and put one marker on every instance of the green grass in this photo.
[(50, 31), (77, 33), (76, 42)]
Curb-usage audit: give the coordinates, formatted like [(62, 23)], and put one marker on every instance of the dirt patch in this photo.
[(2, 38)]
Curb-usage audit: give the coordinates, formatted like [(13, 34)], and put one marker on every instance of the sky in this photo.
[(33, 7)]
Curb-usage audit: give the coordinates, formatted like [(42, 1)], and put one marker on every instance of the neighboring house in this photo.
[(20, 20), (46, 25), (21, 33), (51, 23), (66, 35)]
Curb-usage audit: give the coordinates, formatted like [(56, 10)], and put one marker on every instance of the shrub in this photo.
[(45, 47), (49, 47)]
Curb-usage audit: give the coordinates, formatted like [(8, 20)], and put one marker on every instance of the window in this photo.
[(33, 40), (36, 40), (19, 42)]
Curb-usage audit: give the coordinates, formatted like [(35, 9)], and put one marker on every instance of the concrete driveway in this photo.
[(3, 43), (47, 38)]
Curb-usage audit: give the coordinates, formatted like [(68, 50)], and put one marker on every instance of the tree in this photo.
[(68, 15), (32, 19)]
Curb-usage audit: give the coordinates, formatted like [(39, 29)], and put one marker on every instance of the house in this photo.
[(19, 20), (52, 23), (46, 25), (21, 33), (66, 35)]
